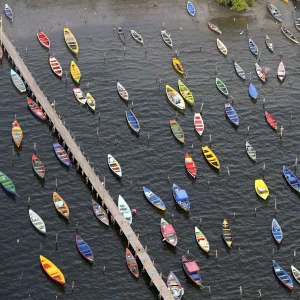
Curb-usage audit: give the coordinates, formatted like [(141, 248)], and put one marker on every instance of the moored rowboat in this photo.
[(192, 270), (38, 166), (75, 71), (167, 38), (17, 81), (190, 165), (100, 213), (291, 178), (222, 48), (43, 39), (177, 65), (185, 93), (122, 91), (71, 41), (154, 199), (250, 151), (132, 121), (227, 233), (91, 102), (61, 154), (114, 165), (175, 286), (8, 12), (211, 157), (252, 90), (177, 131), (61, 205), (79, 95), (269, 43), (198, 123), (84, 249), (221, 86), (276, 231), (274, 11), (52, 270), (232, 114), (253, 47), (190, 8), (261, 73), (175, 98), (35, 109), (201, 240), (281, 71), (261, 189), (214, 27), (296, 273), (168, 232), (181, 197), (17, 133), (297, 24), (132, 264), (137, 36), (55, 66), (282, 275), (124, 209), (37, 221), (271, 121), (239, 70), (289, 35), (7, 184)]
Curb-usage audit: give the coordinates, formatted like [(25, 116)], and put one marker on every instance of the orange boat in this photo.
[(17, 133), (132, 264), (60, 205), (52, 270)]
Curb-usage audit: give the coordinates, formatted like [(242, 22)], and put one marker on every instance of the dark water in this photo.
[(213, 196)]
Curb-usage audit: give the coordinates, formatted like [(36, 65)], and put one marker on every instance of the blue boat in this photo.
[(190, 8), (8, 11), (253, 47), (132, 121), (191, 269), (276, 231), (181, 197), (292, 180), (231, 114), (274, 11), (17, 81), (61, 154), (154, 199), (253, 92), (283, 276), (84, 249)]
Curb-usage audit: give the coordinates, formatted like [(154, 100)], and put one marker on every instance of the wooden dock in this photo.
[(86, 170)]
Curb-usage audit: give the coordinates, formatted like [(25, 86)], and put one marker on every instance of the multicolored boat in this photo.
[(181, 197), (276, 231), (17, 133), (177, 131), (261, 72), (7, 184), (199, 123), (271, 121), (38, 166), (261, 189), (154, 199), (283, 276), (177, 65), (79, 95), (211, 157), (132, 264), (17, 81), (132, 121), (250, 151), (114, 166), (8, 12), (227, 233), (221, 87), (75, 71), (274, 11), (175, 286), (35, 109), (168, 232), (100, 213), (61, 205), (175, 98), (55, 66), (232, 114), (191, 269), (291, 178), (201, 240), (91, 102), (185, 93), (84, 249), (52, 270), (61, 154), (71, 41), (190, 165), (43, 39)]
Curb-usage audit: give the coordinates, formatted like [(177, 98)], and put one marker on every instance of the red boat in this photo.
[(132, 264), (168, 232), (38, 166), (43, 39), (198, 123), (190, 165), (271, 121), (35, 109), (55, 66)]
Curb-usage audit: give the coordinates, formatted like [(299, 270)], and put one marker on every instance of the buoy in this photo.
[(134, 211)]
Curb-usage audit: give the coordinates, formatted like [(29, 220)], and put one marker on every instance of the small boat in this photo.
[(132, 121), (114, 166), (100, 213), (281, 71), (222, 48), (177, 65), (297, 24), (35, 109), (154, 199), (175, 286), (271, 121), (91, 102), (177, 131), (185, 93), (227, 233), (199, 123), (84, 249), (43, 39), (192, 270), (7, 184), (75, 71), (61, 205), (239, 70), (221, 87), (55, 66), (274, 11), (181, 197), (122, 92), (291, 178), (201, 240), (61, 154), (283, 276), (175, 98), (52, 270), (168, 232), (17, 81), (253, 47), (191, 8), (121, 35), (137, 36), (269, 43), (79, 95), (296, 273), (190, 165), (289, 35), (252, 90), (261, 189), (276, 231), (232, 114), (8, 12), (37, 221), (261, 73), (71, 41), (214, 27), (211, 157), (250, 151), (124, 209), (167, 38), (132, 264), (17, 133), (38, 166)]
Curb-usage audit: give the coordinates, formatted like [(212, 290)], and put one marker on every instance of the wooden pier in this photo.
[(86, 170)]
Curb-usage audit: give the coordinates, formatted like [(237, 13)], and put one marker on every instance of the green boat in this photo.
[(221, 87), (7, 184), (177, 131), (185, 93)]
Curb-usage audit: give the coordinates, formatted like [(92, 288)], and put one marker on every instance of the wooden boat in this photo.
[(17, 133), (7, 184), (91, 102), (100, 213), (121, 35), (167, 38), (274, 11), (281, 71), (227, 233), (222, 48), (84, 249), (276, 231), (297, 24), (201, 240), (192, 270), (296, 273), (175, 98), (124, 209), (282, 275), (79, 95), (199, 123), (75, 71), (61, 154), (177, 131), (253, 47), (269, 43), (250, 151), (17, 81), (271, 121), (52, 270), (35, 109), (261, 73), (114, 166), (261, 189), (291, 178), (175, 286), (8, 12), (137, 36), (37, 221), (43, 39), (185, 93), (132, 264), (38, 166), (211, 157), (55, 66), (122, 92), (154, 199), (61, 205), (132, 121), (214, 27), (181, 197), (190, 165), (232, 114), (289, 35), (239, 71), (191, 8), (221, 87), (252, 90), (177, 65), (71, 41), (168, 232)]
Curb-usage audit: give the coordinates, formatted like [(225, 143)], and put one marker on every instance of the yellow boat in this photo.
[(71, 41), (261, 189), (222, 47), (17, 133), (75, 71), (178, 65), (286, 1), (175, 99), (211, 157), (52, 270), (227, 234), (185, 93), (90, 101)]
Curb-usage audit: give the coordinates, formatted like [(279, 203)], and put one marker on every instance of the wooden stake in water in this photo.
[(264, 100), (295, 253), (281, 131), (73, 285), (255, 211), (13, 154), (248, 129), (148, 139), (259, 292), (56, 240), (201, 108), (241, 291), (234, 215), (98, 132), (210, 140), (273, 253), (216, 253), (56, 184), (104, 56), (28, 201), (275, 204), (228, 172), (34, 147)]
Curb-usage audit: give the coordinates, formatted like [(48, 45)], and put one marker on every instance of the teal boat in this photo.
[(7, 184)]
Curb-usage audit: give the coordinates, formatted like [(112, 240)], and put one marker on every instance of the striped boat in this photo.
[(71, 41), (17, 81), (38, 166), (7, 184), (211, 157), (154, 199), (198, 123), (84, 249), (55, 66), (177, 131), (283, 276), (114, 166), (132, 121), (227, 233), (43, 39), (8, 12), (37, 221), (122, 92), (75, 71), (201, 240), (61, 154), (250, 151), (276, 231), (239, 71), (35, 109), (100, 213), (291, 178), (221, 87), (52, 270), (232, 114), (61, 205), (17, 133)]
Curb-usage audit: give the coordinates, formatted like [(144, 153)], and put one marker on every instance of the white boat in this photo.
[(261, 73), (137, 37), (114, 165), (124, 209), (201, 240), (37, 221), (239, 70), (167, 38), (17, 81), (122, 91), (79, 95), (296, 273), (281, 71), (250, 151)]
